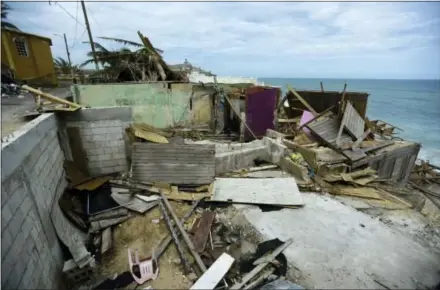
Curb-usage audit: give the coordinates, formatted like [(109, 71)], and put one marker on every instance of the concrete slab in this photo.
[(335, 246), (273, 191)]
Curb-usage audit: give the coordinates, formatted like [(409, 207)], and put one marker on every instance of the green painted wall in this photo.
[(153, 103)]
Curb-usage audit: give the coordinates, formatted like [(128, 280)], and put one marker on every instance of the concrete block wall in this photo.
[(32, 179), (101, 134)]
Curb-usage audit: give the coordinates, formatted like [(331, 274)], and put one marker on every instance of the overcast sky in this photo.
[(280, 39)]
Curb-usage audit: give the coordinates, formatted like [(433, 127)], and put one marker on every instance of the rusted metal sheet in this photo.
[(260, 111), (352, 122), (202, 230), (173, 163)]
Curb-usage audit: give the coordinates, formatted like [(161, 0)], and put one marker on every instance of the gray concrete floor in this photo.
[(337, 247)]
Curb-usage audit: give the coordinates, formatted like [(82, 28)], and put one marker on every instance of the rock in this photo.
[(192, 276)]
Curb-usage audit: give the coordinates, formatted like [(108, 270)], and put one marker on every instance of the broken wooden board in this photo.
[(202, 230), (93, 184), (106, 240), (273, 191), (352, 122), (326, 129), (154, 137), (134, 204), (352, 175), (215, 273), (363, 192), (173, 163)]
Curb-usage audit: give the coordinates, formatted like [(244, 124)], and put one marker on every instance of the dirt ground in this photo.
[(142, 234)]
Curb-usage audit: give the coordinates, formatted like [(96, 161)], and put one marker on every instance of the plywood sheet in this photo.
[(326, 129), (273, 191), (173, 163), (352, 121)]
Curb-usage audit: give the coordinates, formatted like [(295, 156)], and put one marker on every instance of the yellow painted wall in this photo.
[(37, 67)]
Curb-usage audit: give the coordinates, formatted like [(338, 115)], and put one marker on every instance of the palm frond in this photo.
[(126, 42), (97, 46)]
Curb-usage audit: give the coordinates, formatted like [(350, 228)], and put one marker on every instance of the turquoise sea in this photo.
[(412, 105)]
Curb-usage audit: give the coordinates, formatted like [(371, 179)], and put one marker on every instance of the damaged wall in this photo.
[(94, 138), (32, 178), (158, 104)]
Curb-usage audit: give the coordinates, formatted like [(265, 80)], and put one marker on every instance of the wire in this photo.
[(76, 26), (94, 19), (68, 13)]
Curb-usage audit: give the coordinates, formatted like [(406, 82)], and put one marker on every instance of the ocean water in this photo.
[(412, 105)]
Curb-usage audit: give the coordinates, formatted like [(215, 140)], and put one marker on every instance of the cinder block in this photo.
[(99, 130), (26, 205), (115, 130), (6, 215), (28, 224), (6, 242), (11, 183), (104, 157), (16, 222), (15, 276), (26, 278)]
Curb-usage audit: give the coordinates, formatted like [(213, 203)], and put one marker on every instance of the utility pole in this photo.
[(92, 44), (68, 58)]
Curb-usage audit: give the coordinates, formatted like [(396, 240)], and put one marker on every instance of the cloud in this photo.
[(282, 39)]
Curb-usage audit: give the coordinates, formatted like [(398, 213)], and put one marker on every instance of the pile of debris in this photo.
[(174, 193)]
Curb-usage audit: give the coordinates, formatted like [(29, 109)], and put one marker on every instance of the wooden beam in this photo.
[(215, 273), (261, 264), (317, 116), (239, 116), (50, 97), (342, 103), (360, 139), (304, 102), (322, 87), (185, 236)]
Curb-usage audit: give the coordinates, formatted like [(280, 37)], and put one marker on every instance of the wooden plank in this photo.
[(354, 124), (173, 163), (50, 97), (273, 191), (215, 273), (202, 230), (326, 128), (263, 262), (185, 236), (360, 139), (304, 102)]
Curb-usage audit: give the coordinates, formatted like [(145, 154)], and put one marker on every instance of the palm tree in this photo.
[(63, 66), (145, 62), (5, 10)]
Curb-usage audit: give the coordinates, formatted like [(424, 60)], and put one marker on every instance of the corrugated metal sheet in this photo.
[(173, 163), (352, 121)]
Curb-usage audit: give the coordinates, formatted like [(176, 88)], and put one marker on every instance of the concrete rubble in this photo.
[(329, 201)]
